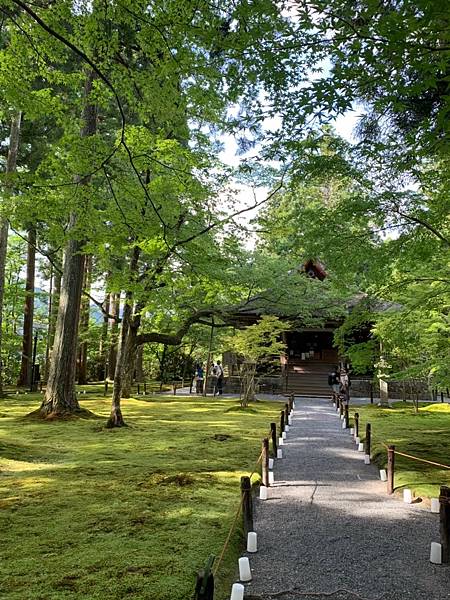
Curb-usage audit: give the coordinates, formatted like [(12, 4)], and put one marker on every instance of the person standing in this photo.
[(333, 382), (199, 376), (217, 378)]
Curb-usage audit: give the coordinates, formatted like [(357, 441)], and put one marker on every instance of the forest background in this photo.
[(113, 120)]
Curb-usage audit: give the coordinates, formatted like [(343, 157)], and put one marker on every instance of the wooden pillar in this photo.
[(356, 417), (390, 469), (444, 515), (247, 506), (281, 423), (204, 587), (265, 462), (367, 440), (346, 419), (273, 433)]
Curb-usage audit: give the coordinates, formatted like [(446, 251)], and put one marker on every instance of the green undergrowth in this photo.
[(425, 435), (128, 513)]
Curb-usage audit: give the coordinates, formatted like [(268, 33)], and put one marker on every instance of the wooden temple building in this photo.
[(309, 358)]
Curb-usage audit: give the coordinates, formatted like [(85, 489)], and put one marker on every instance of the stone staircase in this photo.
[(309, 378)]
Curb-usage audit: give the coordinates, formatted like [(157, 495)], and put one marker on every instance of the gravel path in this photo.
[(328, 530)]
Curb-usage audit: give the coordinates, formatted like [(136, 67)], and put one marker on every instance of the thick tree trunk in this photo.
[(28, 312), (129, 362), (84, 323), (60, 398), (11, 164), (114, 335), (53, 315)]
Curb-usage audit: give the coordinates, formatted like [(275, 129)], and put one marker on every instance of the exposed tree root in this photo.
[(80, 413), (115, 419)]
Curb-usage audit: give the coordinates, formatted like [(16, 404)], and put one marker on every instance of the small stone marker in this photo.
[(436, 553), (237, 591), (252, 542), (244, 569), (407, 496)]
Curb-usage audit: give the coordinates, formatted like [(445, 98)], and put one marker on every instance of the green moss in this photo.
[(425, 435), (87, 512)]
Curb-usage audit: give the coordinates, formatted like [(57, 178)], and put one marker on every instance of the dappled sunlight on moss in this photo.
[(148, 502), (425, 435), (435, 408)]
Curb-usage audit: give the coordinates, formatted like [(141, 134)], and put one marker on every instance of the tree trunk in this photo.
[(28, 312), (116, 418), (140, 377), (60, 397), (55, 293), (113, 340), (11, 164), (248, 383), (127, 348), (162, 367), (103, 348), (84, 323), (129, 363)]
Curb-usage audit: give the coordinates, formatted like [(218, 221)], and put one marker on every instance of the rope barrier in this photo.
[(227, 541), (233, 525), (424, 460), (430, 462)]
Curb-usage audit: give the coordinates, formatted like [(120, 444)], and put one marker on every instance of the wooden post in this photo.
[(273, 432), (208, 361), (367, 439), (444, 515), (265, 462), (371, 392), (281, 422), (204, 587), (105, 391), (390, 469), (356, 417), (138, 388), (442, 396), (346, 419), (247, 506), (291, 402), (286, 414), (341, 407)]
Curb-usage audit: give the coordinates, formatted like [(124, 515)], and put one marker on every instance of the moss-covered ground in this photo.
[(129, 513), (425, 435)]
